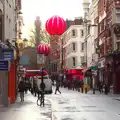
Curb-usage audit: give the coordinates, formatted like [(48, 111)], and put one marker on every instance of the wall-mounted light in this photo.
[(19, 13), (20, 33)]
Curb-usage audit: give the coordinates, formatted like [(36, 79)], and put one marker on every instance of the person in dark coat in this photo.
[(57, 87), (82, 86), (21, 88), (42, 86)]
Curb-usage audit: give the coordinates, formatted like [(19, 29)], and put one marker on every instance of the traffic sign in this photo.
[(40, 59)]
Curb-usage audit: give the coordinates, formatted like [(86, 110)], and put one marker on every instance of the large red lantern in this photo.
[(43, 49), (55, 25)]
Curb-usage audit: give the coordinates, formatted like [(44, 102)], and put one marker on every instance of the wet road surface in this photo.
[(70, 105)]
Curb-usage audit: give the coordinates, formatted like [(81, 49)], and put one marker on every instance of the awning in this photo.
[(94, 68), (35, 73), (74, 71)]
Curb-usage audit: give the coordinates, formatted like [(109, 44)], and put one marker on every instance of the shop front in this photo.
[(116, 76), (101, 69), (8, 68), (113, 71), (12, 77)]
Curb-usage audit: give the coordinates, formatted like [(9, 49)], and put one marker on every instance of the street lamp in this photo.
[(19, 13), (87, 33), (25, 41), (62, 62)]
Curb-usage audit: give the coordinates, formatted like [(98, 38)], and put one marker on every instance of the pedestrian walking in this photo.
[(101, 87), (35, 89), (21, 88), (57, 88), (106, 87), (82, 86)]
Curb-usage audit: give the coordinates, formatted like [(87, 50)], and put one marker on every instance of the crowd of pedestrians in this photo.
[(77, 85), (103, 88)]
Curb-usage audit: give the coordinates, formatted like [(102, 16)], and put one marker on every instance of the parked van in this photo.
[(47, 81), (35, 76)]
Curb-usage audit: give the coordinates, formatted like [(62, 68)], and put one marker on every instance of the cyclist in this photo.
[(42, 87)]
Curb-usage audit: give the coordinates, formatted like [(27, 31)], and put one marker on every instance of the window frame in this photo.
[(74, 61), (81, 33), (74, 46), (73, 33)]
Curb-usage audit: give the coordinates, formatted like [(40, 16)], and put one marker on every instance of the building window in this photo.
[(118, 17), (74, 46), (73, 33), (9, 20), (9, 5), (82, 59), (88, 31), (118, 45), (82, 46), (74, 63), (81, 33)]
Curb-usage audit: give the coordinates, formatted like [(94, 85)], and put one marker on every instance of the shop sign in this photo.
[(24, 60), (101, 63), (7, 54), (40, 59), (4, 65)]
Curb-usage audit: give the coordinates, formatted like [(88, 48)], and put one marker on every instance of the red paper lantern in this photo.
[(55, 25), (43, 49), (57, 51)]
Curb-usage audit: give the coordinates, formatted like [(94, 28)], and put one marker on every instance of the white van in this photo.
[(47, 81), (35, 76)]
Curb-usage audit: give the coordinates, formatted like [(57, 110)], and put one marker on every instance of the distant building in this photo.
[(28, 58), (76, 21), (73, 46), (53, 59)]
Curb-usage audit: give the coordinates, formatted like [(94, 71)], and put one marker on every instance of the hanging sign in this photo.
[(4, 65), (41, 59), (7, 54)]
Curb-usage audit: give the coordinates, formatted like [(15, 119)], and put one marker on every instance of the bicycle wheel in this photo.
[(38, 101)]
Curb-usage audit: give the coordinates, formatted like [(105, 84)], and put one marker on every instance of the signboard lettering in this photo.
[(4, 65)]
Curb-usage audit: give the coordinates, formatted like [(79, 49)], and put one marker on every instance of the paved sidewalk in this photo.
[(28, 110)]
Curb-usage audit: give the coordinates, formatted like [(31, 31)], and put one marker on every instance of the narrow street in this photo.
[(70, 105)]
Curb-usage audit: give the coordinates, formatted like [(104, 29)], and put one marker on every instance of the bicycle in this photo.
[(40, 100)]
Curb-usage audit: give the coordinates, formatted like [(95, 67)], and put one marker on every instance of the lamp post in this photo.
[(62, 61), (25, 41)]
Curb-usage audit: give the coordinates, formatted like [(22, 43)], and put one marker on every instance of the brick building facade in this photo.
[(108, 43)]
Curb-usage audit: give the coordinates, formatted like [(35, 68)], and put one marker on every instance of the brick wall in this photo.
[(32, 54)]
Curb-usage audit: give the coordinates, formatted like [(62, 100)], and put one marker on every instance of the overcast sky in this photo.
[(47, 8)]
